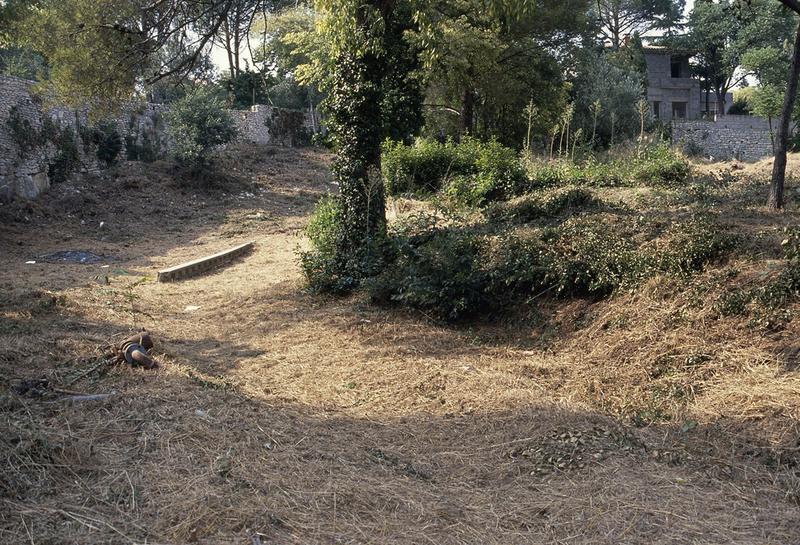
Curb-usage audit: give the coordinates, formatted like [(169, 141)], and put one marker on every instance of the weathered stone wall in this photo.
[(741, 137), (24, 174), (141, 126)]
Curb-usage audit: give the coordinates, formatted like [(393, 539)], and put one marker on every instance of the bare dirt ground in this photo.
[(281, 417)]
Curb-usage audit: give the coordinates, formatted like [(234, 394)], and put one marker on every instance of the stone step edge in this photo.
[(202, 265)]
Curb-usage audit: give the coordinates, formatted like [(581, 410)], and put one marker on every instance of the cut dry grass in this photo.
[(645, 418)]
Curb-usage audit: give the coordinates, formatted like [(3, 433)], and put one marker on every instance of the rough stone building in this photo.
[(671, 90)]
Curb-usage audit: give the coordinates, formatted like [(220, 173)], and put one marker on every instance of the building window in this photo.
[(657, 109), (679, 110), (675, 66)]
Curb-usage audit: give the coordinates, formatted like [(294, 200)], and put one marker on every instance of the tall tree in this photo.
[(721, 33), (617, 19), (102, 51), (486, 71), (775, 199)]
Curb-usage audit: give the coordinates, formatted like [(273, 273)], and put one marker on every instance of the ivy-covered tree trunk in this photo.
[(355, 114), (775, 200)]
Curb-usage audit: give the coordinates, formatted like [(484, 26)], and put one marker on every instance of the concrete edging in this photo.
[(202, 265)]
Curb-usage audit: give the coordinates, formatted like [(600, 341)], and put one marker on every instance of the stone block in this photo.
[(31, 186)]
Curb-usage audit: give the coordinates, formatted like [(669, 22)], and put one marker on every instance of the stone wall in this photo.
[(141, 126), (741, 137), (24, 174)]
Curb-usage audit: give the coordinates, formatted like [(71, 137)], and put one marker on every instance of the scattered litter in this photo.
[(134, 349), (102, 224), (191, 308), (73, 256), (104, 266), (30, 263)]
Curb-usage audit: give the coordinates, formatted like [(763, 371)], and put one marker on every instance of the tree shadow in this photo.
[(171, 459)]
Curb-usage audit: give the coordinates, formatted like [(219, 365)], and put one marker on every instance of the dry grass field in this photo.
[(279, 417)]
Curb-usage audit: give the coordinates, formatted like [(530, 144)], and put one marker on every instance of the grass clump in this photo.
[(766, 302), (657, 166), (541, 205)]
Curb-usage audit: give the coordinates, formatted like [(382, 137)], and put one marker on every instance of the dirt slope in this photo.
[(279, 417)]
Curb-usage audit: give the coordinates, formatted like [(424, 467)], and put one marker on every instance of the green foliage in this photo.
[(657, 166), (541, 205), (29, 137), (288, 127), (322, 226), (21, 62), (660, 166), (455, 272), (769, 300), (440, 272), (617, 89), (693, 244), (320, 266), (25, 135), (766, 101), (730, 34), (197, 124), (67, 158), (470, 172), (420, 168), (484, 72), (246, 89), (106, 140), (109, 143), (145, 149)]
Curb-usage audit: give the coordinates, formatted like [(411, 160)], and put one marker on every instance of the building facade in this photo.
[(671, 90)]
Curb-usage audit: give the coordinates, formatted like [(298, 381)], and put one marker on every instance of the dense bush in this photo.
[(67, 158), (108, 141), (419, 168), (441, 272), (458, 272), (325, 270), (197, 123), (471, 172), (288, 127)]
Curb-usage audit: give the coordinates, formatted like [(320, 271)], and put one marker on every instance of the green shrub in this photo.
[(439, 273), (197, 124), (67, 158), (590, 257), (693, 245), (325, 270), (471, 172), (108, 141), (658, 166), (420, 168), (458, 272), (322, 226)]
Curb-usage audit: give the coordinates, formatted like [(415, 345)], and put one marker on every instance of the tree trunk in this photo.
[(720, 102), (355, 110), (237, 44), (775, 200), (228, 48), (467, 111)]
